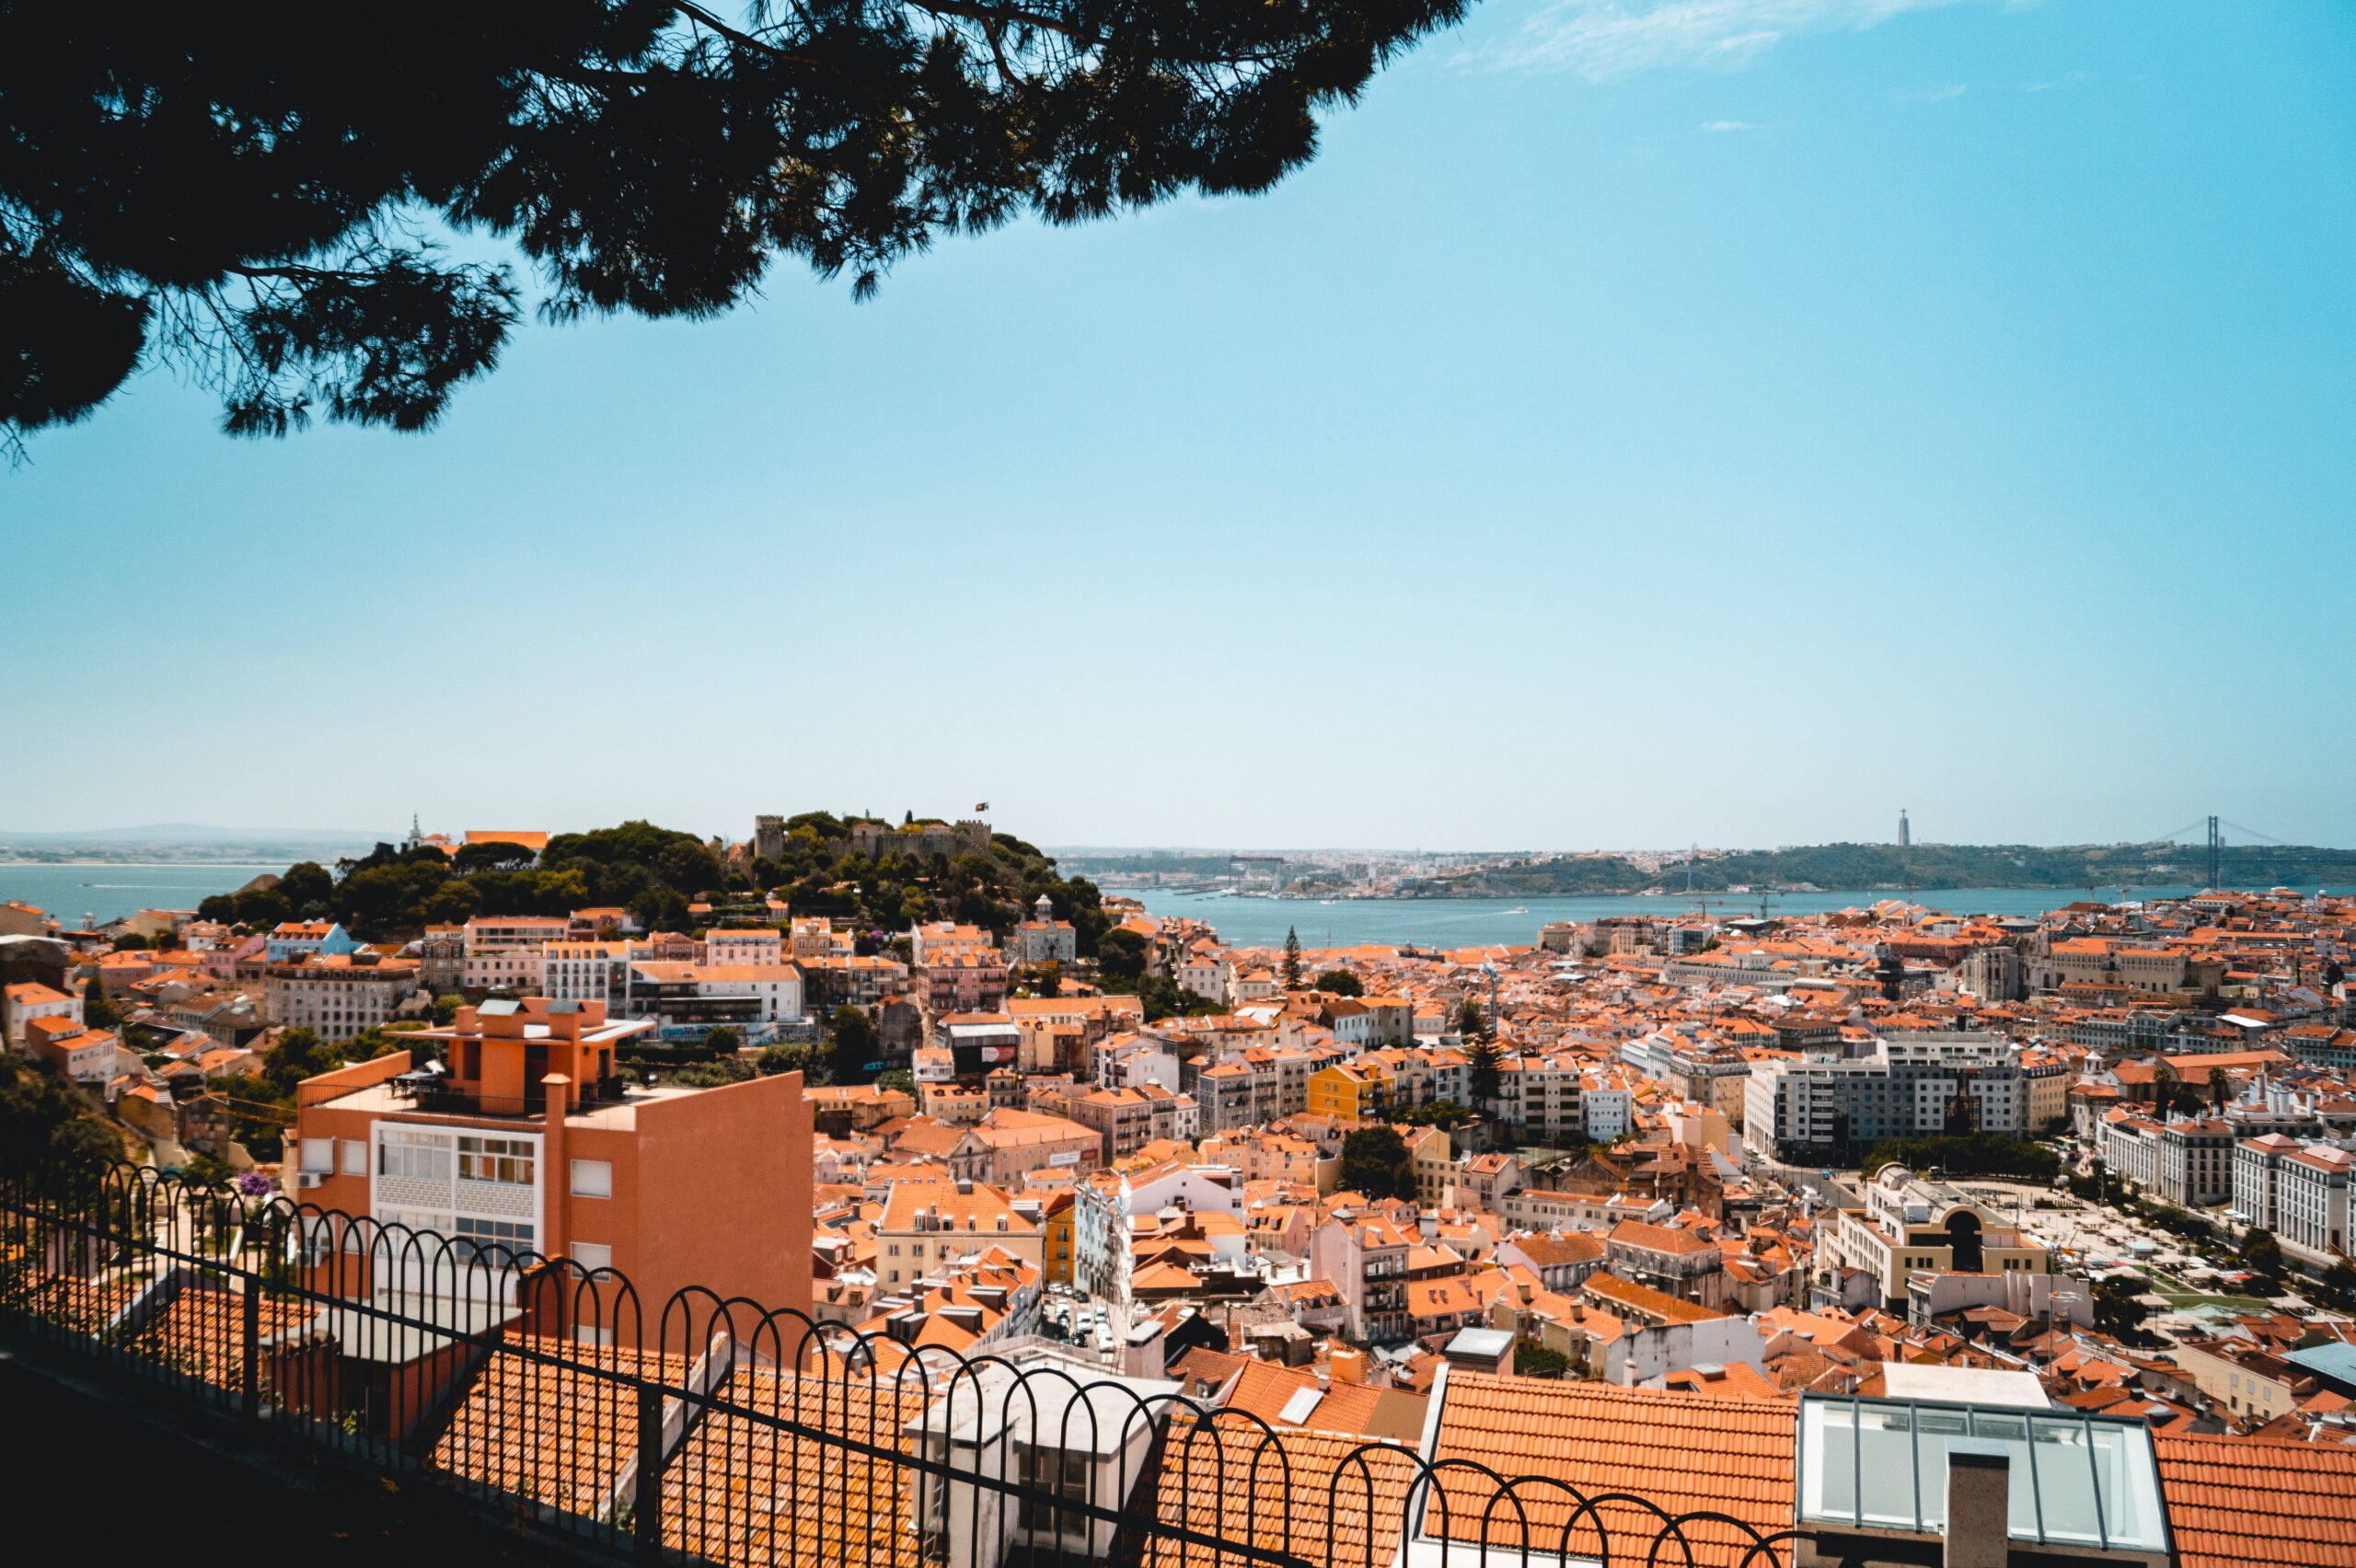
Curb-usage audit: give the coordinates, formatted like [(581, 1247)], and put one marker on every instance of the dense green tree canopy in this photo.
[(656, 873), (244, 192), (1374, 1161)]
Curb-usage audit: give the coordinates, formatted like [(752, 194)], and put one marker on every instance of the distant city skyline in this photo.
[(1644, 423)]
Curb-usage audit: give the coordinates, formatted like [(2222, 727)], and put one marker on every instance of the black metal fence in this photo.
[(712, 1429)]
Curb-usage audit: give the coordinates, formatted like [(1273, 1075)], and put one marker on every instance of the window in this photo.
[(319, 1157), (592, 1255), (413, 1155), (498, 1242), (1064, 1474), (506, 1161), (592, 1177), (355, 1158)]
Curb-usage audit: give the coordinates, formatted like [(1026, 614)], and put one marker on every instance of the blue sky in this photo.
[(1725, 421)]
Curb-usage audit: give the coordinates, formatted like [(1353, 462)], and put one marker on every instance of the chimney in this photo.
[(1979, 1503), (1145, 1354), (555, 1174)]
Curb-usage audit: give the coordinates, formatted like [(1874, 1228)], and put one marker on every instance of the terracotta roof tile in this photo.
[(1688, 1454), (2233, 1502)]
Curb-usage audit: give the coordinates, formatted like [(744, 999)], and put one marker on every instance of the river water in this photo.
[(1474, 922), (111, 891)]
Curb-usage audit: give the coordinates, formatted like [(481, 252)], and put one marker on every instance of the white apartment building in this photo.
[(1909, 1086), (1606, 1107), (2187, 1161), (1543, 1095), (2299, 1190), (587, 972)]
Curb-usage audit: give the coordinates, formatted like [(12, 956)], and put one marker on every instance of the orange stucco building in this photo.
[(530, 1144)]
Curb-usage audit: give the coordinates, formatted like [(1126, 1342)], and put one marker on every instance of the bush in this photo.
[(1966, 1154), (1539, 1361)]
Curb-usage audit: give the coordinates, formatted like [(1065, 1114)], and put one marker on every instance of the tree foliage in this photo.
[(857, 1044), (2119, 1313), (392, 893), (1968, 1154), (1292, 972), (2261, 1253), (1121, 953), (816, 1066), (244, 193), (98, 1009), (1375, 1161), (1340, 983), (1434, 1114), (43, 1120), (1532, 1359), (1483, 1074)]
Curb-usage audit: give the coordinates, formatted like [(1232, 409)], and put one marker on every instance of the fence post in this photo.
[(647, 1512), (249, 1334)]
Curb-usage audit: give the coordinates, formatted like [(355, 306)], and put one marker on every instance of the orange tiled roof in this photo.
[(201, 1334), (740, 1491), (1320, 1497), (559, 1435), (2233, 1502), (1686, 1453)]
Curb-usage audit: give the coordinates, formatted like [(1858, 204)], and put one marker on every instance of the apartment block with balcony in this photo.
[(1364, 1258), (523, 1140)]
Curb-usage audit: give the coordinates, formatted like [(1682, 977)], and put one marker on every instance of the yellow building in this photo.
[(1059, 1225), (1353, 1092)]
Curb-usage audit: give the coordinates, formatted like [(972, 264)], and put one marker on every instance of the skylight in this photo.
[(2075, 1480)]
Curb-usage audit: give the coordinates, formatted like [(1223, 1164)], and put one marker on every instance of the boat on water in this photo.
[(1518, 909)]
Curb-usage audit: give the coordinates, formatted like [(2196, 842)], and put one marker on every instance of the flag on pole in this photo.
[(981, 805)]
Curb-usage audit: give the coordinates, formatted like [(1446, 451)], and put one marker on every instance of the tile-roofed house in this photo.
[(557, 1431), (2233, 1502), (1330, 1499), (742, 1490), (1688, 1454), (200, 1332)]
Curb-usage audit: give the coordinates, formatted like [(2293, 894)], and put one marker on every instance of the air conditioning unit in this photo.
[(313, 1178)]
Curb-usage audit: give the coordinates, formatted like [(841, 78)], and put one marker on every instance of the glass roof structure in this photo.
[(2080, 1480)]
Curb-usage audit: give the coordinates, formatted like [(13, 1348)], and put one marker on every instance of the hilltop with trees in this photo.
[(656, 873)]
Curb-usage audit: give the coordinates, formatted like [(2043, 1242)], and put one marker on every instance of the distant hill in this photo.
[(1886, 866), (190, 842), (186, 835)]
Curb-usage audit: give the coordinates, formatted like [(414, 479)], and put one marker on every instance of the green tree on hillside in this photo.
[(857, 1045), (1340, 983), (1479, 1039), (1375, 1161), (1292, 959), (1121, 953)]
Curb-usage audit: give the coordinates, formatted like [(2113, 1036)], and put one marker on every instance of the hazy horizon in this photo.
[(192, 834)]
